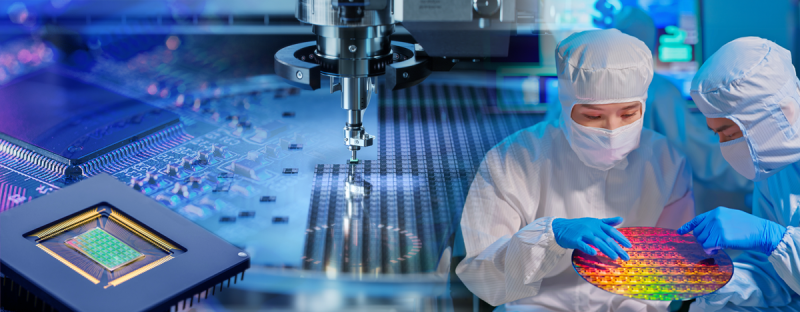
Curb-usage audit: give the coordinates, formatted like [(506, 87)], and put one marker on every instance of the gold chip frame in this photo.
[(95, 213)]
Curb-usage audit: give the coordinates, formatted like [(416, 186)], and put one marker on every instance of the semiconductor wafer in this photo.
[(663, 266)]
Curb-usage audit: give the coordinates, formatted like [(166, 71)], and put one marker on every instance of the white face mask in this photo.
[(737, 153), (602, 148)]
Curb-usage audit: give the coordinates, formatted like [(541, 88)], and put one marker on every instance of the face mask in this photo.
[(602, 148), (737, 153)]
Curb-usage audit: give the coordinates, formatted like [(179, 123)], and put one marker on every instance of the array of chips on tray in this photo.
[(663, 266)]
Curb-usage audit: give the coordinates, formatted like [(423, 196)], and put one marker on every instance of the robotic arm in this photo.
[(353, 46)]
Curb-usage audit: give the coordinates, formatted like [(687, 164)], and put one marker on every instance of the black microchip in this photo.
[(222, 188), (227, 219), (295, 146), (72, 121), (182, 260), (266, 199), (288, 114), (290, 171), (247, 214), (280, 220)]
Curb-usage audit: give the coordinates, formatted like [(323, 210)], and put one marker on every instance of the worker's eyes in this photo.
[(730, 134), (591, 117), (630, 113)]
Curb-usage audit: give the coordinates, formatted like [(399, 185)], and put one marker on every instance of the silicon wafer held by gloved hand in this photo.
[(663, 266)]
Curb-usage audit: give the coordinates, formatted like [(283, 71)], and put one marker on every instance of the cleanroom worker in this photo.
[(668, 114), (750, 96), (564, 184)]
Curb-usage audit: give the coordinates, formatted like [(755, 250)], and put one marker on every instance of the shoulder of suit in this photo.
[(654, 146), (531, 144)]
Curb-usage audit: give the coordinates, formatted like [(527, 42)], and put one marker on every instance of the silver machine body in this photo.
[(353, 46)]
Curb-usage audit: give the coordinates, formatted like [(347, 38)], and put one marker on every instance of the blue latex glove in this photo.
[(729, 228), (600, 233)]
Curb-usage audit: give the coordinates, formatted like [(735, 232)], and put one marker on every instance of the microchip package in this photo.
[(98, 245), (104, 249), (72, 122)]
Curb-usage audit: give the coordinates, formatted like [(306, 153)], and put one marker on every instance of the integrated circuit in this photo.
[(71, 122), (99, 245), (104, 249)]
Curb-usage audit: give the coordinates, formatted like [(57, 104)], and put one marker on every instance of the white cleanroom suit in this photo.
[(559, 169)]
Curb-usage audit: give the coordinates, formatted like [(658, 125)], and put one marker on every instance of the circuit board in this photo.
[(261, 164)]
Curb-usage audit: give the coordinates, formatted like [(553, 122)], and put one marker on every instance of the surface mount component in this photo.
[(267, 199), (99, 245), (663, 266), (70, 122)]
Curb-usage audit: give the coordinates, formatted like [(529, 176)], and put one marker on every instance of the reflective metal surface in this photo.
[(319, 12), (429, 11), (352, 46), (356, 93), (356, 51)]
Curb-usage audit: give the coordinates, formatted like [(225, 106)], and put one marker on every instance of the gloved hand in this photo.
[(582, 232), (729, 228)]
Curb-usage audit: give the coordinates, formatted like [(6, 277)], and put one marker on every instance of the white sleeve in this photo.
[(505, 261), (680, 205), (756, 283), (677, 213), (786, 258)]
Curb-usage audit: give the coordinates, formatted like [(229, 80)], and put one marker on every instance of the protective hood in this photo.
[(752, 82), (602, 67)]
